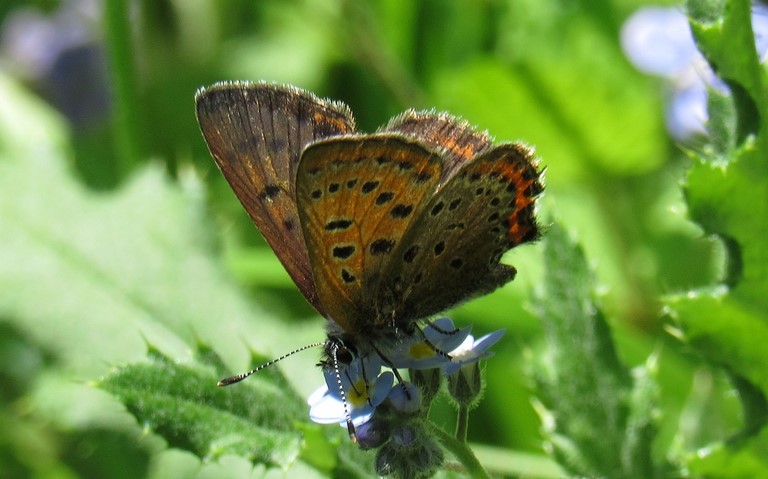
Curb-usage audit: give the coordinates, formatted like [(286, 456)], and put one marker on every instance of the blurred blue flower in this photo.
[(61, 53), (658, 41)]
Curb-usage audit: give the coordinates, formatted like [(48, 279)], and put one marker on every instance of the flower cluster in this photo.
[(389, 414)]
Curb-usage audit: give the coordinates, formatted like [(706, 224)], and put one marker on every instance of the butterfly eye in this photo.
[(345, 355), (336, 348)]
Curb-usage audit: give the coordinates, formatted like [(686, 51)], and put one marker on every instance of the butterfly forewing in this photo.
[(485, 209), (256, 133), (357, 196)]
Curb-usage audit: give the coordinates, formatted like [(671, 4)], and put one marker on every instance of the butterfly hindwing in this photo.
[(256, 133), (357, 195), (485, 209), (455, 139)]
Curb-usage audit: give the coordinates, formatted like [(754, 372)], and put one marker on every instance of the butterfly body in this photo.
[(377, 230)]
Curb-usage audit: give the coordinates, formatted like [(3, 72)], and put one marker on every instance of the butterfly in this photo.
[(378, 230)]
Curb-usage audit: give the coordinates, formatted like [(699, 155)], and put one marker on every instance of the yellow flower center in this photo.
[(421, 351), (358, 395)]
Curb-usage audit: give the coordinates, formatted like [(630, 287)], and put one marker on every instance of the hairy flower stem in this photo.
[(461, 451), (462, 423)]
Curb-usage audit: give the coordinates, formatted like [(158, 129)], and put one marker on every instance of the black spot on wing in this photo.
[(269, 192), (382, 246), (411, 253), (338, 225), (343, 252), (384, 197), (347, 277), (369, 186), (401, 211)]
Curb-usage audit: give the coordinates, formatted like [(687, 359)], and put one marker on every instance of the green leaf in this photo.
[(597, 417), (91, 278), (726, 332), (727, 194), (29, 127), (749, 459), (177, 402)]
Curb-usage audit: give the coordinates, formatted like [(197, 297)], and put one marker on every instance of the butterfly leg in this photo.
[(394, 371)]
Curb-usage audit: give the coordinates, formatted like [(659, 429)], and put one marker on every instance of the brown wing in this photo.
[(455, 139), (452, 251), (357, 195), (256, 133)]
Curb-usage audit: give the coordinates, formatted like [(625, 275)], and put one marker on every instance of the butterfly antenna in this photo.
[(350, 425), (239, 377)]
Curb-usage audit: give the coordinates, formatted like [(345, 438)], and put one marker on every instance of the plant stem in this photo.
[(370, 52), (462, 423), (461, 451), (123, 78)]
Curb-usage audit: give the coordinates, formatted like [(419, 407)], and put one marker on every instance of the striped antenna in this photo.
[(350, 425), (239, 377)]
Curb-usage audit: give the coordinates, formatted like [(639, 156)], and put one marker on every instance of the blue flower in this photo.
[(441, 346), (364, 389), (471, 350), (429, 350), (405, 397)]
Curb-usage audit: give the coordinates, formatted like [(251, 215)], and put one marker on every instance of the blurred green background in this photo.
[(121, 232)]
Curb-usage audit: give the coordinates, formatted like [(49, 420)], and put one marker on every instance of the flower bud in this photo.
[(466, 385), (428, 382), (412, 453), (372, 434)]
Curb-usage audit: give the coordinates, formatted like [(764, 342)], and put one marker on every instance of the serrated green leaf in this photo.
[(599, 423), (729, 198), (178, 402), (726, 332), (722, 122), (727, 193), (732, 201)]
